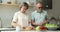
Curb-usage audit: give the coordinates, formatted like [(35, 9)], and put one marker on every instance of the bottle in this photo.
[(15, 1)]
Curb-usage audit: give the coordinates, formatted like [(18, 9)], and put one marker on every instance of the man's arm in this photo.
[(33, 20), (47, 18)]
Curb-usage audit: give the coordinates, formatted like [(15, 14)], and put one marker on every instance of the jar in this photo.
[(9, 1)]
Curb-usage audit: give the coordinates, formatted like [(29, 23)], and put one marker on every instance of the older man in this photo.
[(39, 16)]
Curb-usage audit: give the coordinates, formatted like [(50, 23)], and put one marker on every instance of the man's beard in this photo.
[(39, 11)]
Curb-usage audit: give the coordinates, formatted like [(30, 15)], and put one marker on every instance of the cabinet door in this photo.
[(47, 4)]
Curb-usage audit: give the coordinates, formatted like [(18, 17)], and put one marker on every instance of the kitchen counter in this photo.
[(4, 29), (13, 30), (31, 31), (7, 29)]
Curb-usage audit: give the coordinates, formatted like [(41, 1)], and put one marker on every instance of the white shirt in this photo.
[(22, 19)]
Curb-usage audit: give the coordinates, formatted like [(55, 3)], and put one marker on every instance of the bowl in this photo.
[(51, 26)]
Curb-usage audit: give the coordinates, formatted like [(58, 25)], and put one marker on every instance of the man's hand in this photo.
[(35, 24), (40, 24), (47, 21)]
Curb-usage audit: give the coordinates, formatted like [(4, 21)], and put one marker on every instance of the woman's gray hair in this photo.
[(24, 4)]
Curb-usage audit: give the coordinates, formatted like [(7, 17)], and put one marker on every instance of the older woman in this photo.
[(21, 18)]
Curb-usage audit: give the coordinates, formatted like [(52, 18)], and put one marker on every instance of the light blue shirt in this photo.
[(39, 17)]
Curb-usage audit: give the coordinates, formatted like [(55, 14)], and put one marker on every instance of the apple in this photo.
[(43, 28), (38, 28)]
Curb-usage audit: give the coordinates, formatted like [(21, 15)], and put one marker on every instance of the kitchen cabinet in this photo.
[(47, 4)]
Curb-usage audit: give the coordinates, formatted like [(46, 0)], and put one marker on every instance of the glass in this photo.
[(18, 28)]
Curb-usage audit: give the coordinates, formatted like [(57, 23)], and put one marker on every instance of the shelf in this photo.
[(9, 4), (15, 5)]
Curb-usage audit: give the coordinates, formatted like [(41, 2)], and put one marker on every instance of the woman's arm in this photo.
[(14, 24)]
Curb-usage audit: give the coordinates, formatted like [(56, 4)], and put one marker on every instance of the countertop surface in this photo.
[(7, 29), (31, 31), (13, 30)]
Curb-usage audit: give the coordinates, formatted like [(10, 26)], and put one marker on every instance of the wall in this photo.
[(56, 9), (6, 12)]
